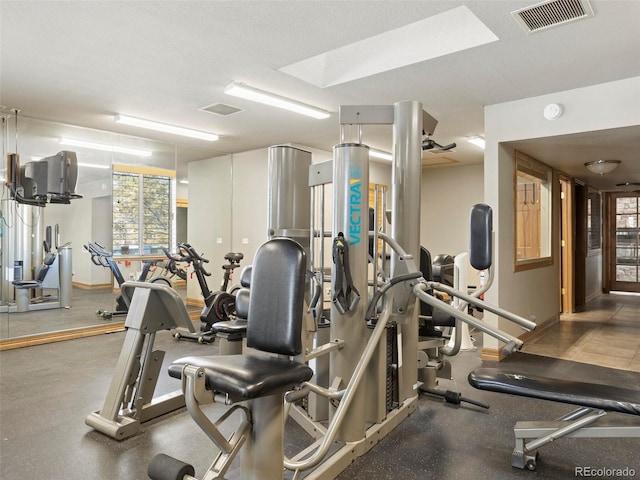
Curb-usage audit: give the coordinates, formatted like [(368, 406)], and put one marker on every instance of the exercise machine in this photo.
[(364, 381), (103, 258), (231, 333), (259, 380), (53, 274), (152, 307), (218, 306), (30, 187), (171, 267)]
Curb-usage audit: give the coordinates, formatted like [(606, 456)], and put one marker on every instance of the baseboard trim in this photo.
[(194, 302), (61, 336), (492, 355), (88, 286)]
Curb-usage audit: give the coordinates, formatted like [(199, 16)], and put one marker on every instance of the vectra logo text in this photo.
[(355, 204)]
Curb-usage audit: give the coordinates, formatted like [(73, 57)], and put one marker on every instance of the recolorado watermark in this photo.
[(605, 472)]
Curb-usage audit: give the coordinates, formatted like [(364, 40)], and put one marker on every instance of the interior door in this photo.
[(624, 241)]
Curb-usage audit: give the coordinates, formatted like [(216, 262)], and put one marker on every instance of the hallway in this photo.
[(605, 333)]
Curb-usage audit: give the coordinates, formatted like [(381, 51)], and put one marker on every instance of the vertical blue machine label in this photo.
[(355, 204)]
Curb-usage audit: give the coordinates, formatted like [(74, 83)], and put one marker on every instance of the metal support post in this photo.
[(350, 213), (405, 204)]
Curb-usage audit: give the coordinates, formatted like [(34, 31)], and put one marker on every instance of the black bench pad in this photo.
[(246, 376), (592, 395)]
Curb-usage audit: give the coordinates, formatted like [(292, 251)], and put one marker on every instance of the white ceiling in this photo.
[(82, 62)]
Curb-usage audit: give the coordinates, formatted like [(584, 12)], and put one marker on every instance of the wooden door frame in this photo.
[(609, 281), (567, 241)]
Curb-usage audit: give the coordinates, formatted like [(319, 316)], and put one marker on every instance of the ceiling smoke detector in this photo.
[(551, 13)]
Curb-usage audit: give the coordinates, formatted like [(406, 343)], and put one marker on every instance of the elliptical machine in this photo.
[(218, 306), (103, 258)]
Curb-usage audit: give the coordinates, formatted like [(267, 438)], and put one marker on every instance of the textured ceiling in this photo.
[(82, 62)]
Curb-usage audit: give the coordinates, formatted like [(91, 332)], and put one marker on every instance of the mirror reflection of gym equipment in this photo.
[(36, 266), (81, 220)]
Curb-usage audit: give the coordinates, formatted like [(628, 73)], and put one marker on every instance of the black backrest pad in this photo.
[(276, 300), (41, 272), (242, 303), (480, 236), (427, 273), (245, 276)]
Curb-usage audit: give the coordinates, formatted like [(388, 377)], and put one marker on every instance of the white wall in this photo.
[(209, 217), (448, 193), (249, 205), (237, 183), (610, 105), (593, 274)]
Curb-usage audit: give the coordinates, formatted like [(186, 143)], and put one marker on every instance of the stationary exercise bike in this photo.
[(171, 267), (103, 258), (218, 306)]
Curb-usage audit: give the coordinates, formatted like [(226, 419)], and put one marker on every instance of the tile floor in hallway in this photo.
[(605, 333)]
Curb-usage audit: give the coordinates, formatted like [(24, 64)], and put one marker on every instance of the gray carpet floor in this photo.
[(46, 392)]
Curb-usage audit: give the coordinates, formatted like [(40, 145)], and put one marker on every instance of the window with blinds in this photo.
[(143, 210)]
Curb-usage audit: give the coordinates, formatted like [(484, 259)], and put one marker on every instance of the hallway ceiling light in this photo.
[(601, 167), (380, 154), (104, 147), (163, 127), (239, 89), (628, 186), (477, 141)]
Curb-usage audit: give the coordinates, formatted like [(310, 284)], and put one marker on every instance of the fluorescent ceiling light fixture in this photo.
[(448, 32), (163, 127), (184, 182), (380, 154), (92, 165), (601, 167), (239, 89), (104, 147), (477, 141)]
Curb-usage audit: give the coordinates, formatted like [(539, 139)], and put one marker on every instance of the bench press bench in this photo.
[(593, 400)]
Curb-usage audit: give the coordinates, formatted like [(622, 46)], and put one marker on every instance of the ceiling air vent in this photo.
[(551, 13), (221, 109)]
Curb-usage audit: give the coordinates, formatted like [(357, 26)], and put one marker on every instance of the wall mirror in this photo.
[(87, 219)]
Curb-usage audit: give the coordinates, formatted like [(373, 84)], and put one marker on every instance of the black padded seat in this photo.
[(592, 395), (41, 272), (246, 376), (234, 257), (230, 326)]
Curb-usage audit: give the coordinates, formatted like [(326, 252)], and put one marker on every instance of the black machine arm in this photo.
[(428, 143)]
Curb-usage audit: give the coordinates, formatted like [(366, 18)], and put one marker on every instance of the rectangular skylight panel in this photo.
[(448, 32)]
